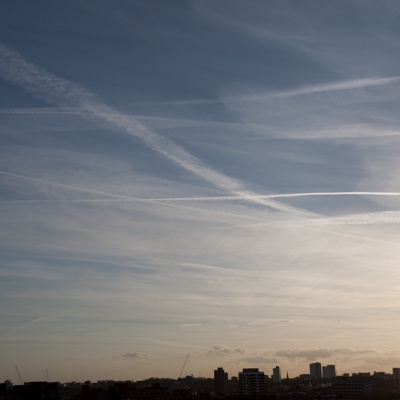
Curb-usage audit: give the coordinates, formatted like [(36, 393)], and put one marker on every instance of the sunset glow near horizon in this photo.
[(214, 178)]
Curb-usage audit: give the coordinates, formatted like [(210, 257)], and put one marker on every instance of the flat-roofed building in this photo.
[(276, 374), (352, 388), (220, 381), (396, 376), (251, 381), (329, 371), (315, 371)]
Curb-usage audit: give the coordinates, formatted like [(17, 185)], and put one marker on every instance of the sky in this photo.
[(214, 178)]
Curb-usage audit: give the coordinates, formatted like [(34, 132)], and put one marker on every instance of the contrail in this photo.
[(35, 111), (335, 86), (70, 187), (378, 217), (12, 190), (340, 132), (310, 89), (35, 321), (274, 196), (111, 197), (245, 196), (62, 93)]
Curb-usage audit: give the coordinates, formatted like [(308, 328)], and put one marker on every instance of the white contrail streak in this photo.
[(336, 86), (124, 198), (111, 197), (70, 187), (38, 111), (340, 132), (35, 321), (379, 217), (12, 190), (62, 93), (275, 196), (310, 89)]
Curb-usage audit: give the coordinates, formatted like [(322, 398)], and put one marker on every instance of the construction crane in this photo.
[(183, 367), (19, 375)]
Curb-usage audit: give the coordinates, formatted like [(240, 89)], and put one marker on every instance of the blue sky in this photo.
[(213, 178)]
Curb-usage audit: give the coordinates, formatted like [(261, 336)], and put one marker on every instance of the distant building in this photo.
[(36, 391), (352, 388), (361, 374), (251, 381), (329, 371), (220, 381), (276, 374), (315, 371), (3, 391), (396, 376)]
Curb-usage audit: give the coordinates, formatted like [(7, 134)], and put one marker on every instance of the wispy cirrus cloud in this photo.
[(24, 326), (263, 321), (192, 325), (135, 355), (378, 217), (316, 353), (258, 360), (223, 351)]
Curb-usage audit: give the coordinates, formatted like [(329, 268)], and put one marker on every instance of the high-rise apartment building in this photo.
[(220, 381), (276, 374), (251, 381), (329, 371), (315, 370)]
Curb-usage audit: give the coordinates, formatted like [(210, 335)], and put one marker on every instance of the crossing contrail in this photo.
[(56, 91), (105, 197)]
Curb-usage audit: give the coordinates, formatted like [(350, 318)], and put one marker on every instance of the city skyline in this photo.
[(250, 383), (221, 378), (209, 178)]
